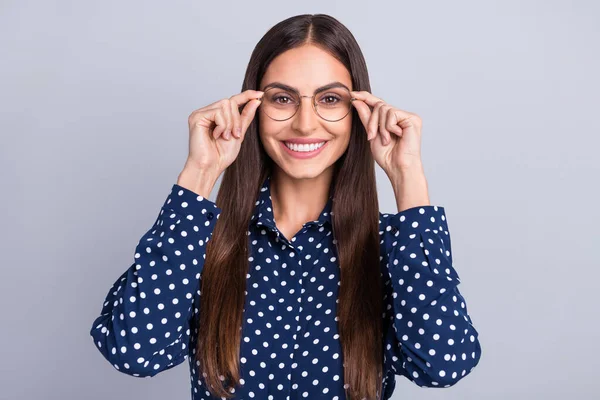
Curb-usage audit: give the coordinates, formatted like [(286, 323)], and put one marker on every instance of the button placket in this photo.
[(298, 318)]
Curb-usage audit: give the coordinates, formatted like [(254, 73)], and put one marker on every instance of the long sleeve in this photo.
[(430, 337), (144, 324)]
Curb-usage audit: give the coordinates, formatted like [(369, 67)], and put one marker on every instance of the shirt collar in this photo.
[(263, 210)]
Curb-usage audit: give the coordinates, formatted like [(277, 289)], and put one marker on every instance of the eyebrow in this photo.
[(295, 90)]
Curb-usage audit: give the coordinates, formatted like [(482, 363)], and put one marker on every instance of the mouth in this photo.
[(304, 150)]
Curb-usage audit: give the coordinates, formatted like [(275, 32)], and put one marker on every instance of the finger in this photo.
[(243, 99), (247, 95), (248, 113), (372, 127), (240, 98), (392, 123), (363, 111), (383, 116), (366, 97), (407, 120), (220, 121), (237, 119), (216, 116), (225, 105)]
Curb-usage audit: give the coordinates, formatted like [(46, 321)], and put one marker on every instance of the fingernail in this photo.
[(238, 132), (227, 134)]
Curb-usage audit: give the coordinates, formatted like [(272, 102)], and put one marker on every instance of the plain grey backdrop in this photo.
[(94, 101)]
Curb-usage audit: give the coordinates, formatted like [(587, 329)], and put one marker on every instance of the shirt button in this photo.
[(209, 215), (394, 229)]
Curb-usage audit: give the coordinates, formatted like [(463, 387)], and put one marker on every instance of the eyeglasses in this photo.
[(331, 104)]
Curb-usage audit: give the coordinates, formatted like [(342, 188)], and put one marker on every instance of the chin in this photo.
[(303, 169), (306, 173)]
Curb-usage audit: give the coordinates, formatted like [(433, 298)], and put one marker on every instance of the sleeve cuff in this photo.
[(417, 219), (193, 207)]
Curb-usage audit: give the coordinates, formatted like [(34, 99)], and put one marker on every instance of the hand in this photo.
[(218, 129), (397, 133)]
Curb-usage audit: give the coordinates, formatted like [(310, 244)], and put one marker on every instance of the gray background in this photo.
[(94, 104)]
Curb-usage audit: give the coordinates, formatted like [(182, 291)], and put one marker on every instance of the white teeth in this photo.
[(304, 147)]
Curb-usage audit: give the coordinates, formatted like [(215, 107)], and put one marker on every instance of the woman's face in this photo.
[(305, 68)]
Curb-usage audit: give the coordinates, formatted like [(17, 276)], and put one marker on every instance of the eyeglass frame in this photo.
[(314, 103)]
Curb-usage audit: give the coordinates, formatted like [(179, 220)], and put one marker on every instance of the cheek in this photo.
[(267, 135), (344, 142), (344, 137)]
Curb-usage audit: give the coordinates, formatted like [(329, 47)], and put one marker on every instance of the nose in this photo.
[(306, 119)]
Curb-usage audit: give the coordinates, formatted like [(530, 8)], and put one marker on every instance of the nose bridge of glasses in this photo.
[(312, 100), (313, 110)]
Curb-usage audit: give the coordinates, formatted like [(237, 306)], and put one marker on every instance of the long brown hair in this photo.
[(355, 221)]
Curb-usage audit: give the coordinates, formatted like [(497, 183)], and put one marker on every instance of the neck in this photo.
[(299, 200)]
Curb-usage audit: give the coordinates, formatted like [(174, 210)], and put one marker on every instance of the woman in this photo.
[(295, 285)]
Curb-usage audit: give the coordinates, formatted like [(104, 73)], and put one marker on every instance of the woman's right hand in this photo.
[(214, 142)]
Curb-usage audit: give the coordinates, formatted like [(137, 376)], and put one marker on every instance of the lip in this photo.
[(306, 154)]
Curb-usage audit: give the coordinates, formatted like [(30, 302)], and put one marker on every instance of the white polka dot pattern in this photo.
[(290, 345), (144, 327), (431, 340)]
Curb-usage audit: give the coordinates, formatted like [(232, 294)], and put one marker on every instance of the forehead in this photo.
[(306, 68)]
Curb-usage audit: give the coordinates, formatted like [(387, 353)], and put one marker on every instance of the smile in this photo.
[(304, 147), (304, 150)]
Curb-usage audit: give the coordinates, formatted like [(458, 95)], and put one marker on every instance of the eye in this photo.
[(330, 99), (277, 98)]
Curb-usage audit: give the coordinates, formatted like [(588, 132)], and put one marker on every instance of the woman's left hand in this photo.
[(394, 134)]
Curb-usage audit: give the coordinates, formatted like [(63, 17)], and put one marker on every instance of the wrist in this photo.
[(415, 172), (410, 188), (200, 181)]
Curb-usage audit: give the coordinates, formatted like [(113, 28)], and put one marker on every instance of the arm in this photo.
[(144, 324), (430, 338)]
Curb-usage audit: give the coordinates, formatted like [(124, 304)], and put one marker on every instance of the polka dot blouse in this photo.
[(290, 346)]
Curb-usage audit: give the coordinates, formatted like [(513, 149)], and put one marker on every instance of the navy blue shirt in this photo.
[(290, 346)]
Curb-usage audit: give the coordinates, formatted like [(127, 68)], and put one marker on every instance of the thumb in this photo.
[(248, 114), (363, 110)]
